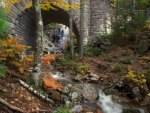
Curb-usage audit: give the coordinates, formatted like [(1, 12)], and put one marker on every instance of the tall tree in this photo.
[(70, 31), (81, 28), (39, 35)]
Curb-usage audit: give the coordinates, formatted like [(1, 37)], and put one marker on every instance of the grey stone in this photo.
[(88, 91)]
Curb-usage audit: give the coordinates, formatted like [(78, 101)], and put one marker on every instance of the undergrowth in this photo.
[(2, 71)]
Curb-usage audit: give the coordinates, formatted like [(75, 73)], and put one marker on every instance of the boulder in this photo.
[(78, 91), (88, 91)]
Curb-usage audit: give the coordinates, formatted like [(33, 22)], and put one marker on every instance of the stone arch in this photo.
[(58, 16), (23, 21)]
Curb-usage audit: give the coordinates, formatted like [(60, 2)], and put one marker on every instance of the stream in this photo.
[(91, 95), (104, 102)]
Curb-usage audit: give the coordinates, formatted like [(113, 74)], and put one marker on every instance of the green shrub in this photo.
[(129, 19), (148, 79), (125, 60), (64, 59), (2, 71), (62, 110), (92, 51), (80, 68), (108, 58), (118, 68), (3, 23)]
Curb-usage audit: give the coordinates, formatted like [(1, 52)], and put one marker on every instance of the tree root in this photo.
[(13, 108), (37, 93)]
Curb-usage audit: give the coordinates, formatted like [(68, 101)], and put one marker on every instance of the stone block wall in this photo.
[(97, 19), (100, 18), (22, 23)]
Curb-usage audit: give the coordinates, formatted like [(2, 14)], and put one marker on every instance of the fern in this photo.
[(2, 71), (61, 110)]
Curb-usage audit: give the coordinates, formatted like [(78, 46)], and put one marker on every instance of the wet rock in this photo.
[(48, 46), (79, 91), (94, 78), (88, 91), (135, 92), (77, 109), (55, 95), (75, 96), (131, 111), (79, 78), (145, 90), (67, 89), (91, 78), (146, 101)]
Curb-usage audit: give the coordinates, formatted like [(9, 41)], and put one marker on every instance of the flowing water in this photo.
[(107, 105), (105, 102)]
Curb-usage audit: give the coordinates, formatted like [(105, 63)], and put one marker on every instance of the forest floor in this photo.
[(111, 66), (20, 97)]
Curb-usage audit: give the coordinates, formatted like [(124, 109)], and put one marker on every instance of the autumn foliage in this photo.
[(51, 83), (45, 4), (47, 58), (137, 78), (11, 50)]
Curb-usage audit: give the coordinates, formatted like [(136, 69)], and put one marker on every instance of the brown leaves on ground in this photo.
[(20, 97)]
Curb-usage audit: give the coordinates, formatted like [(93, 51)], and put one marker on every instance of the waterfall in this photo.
[(63, 36), (107, 105)]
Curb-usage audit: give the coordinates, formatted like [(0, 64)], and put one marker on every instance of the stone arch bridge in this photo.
[(97, 19)]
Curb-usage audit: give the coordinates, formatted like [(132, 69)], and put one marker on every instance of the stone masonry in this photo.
[(97, 19)]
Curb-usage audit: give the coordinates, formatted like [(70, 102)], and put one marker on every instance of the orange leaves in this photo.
[(28, 60), (51, 83), (11, 49), (47, 58)]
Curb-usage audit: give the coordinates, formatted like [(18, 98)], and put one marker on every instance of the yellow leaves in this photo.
[(8, 4), (29, 5), (65, 6), (138, 78), (28, 60), (45, 5)]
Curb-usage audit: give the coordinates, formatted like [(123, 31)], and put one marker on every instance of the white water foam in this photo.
[(107, 105)]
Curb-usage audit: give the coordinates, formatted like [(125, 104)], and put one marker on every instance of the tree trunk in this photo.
[(38, 41), (81, 28), (70, 31)]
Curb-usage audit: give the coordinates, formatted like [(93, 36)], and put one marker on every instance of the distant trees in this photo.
[(129, 16)]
